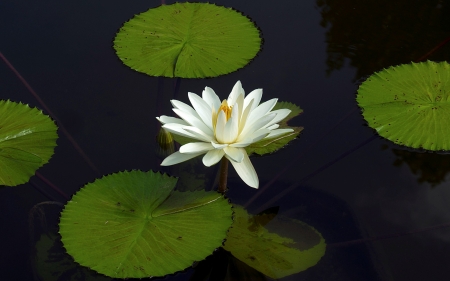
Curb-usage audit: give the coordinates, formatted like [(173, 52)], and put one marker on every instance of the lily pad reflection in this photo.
[(270, 253)]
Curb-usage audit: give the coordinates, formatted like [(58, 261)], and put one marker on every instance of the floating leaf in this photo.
[(270, 253), (265, 146), (188, 40), (131, 224), (27, 140), (409, 104)]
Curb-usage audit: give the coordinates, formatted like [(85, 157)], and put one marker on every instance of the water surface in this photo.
[(314, 54)]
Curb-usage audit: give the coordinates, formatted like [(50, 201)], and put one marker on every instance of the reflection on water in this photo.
[(222, 265), (430, 167), (376, 34), (269, 252)]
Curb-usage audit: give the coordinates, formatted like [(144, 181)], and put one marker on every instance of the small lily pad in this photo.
[(132, 225), (27, 140), (409, 104), (271, 145), (270, 253), (188, 40)]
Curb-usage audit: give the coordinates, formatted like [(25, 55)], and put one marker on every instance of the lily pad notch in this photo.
[(141, 225), (188, 40), (409, 104)]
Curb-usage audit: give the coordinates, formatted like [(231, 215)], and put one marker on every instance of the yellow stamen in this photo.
[(226, 109)]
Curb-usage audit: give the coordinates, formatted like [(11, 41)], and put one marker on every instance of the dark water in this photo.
[(313, 56)]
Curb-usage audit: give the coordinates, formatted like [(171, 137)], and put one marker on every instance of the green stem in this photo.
[(223, 174)]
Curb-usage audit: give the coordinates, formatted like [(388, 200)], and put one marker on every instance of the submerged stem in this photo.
[(223, 175)]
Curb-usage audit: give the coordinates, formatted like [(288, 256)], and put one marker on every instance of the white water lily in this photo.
[(224, 128)]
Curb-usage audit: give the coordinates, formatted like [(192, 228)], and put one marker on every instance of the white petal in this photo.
[(193, 120), (212, 157), (278, 132), (260, 134), (231, 128), (220, 126), (260, 123), (235, 154), (178, 157), (178, 129), (243, 119), (242, 143), (184, 107), (196, 147), (273, 127), (281, 114), (239, 106), (159, 119), (219, 145), (261, 110), (198, 134), (202, 108), (256, 96), (237, 90), (211, 98), (167, 119), (246, 171)]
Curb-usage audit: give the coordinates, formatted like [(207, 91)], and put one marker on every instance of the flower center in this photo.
[(226, 109)]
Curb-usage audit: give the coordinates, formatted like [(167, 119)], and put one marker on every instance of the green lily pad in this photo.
[(270, 253), (271, 145), (132, 225), (27, 140), (409, 104), (188, 40)]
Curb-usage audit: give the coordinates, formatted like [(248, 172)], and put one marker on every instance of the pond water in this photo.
[(314, 54)]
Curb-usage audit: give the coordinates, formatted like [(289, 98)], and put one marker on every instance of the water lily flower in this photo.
[(224, 128)]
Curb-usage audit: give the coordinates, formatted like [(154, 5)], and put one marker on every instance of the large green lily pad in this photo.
[(132, 225), (270, 253), (409, 104), (27, 140), (188, 40)]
